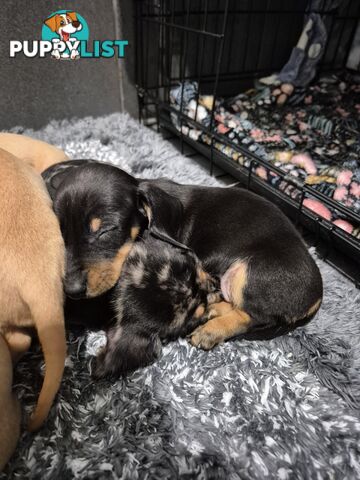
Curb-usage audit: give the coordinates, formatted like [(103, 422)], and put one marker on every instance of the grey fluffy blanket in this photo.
[(282, 409)]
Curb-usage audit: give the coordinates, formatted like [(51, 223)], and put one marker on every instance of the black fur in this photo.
[(82, 190), (155, 302), (221, 225)]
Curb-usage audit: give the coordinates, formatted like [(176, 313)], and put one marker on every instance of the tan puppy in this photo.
[(39, 154), (10, 413), (31, 271)]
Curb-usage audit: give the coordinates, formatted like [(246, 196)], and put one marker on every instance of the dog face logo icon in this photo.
[(65, 27)]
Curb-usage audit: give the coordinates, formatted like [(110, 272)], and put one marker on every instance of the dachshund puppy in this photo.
[(162, 295), (97, 206), (31, 271), (269, 281), (10, 412), (38, 154)]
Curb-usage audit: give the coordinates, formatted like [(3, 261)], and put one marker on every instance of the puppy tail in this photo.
[(51, 332)]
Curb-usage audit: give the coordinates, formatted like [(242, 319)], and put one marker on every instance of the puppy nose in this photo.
[(75, 286), (76, 23)]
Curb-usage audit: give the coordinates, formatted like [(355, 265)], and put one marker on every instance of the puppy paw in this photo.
[(211, 313), (205, 338)]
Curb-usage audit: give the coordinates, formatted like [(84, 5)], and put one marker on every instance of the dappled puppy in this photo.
[(163, 294)]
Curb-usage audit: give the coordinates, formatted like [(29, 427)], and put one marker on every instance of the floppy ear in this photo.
[(55, 174), (163, 211), (51, 23), (72, 15)]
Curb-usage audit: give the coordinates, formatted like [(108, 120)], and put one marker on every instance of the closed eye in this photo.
[(106, 231)]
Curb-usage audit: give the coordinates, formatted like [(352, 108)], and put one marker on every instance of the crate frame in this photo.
[(163, 18)]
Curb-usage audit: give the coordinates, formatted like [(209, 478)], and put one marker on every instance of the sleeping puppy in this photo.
[(38, 154), (269, 281), (10, 412), (31, 271), (163, 294), (96, 206)]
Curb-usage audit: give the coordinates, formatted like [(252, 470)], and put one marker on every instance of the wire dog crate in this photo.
[(219, 48)]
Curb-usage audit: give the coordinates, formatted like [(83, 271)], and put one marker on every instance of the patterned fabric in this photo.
[(316, 142)]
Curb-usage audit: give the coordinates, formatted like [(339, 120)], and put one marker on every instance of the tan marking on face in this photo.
[(103, 275), (237, 284), (134, 232), (199, 312), (95, 224), (220, 329)]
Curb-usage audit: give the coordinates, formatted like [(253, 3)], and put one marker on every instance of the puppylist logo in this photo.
[(65, 36)]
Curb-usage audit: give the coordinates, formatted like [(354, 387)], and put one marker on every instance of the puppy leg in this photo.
[(220, 329), (126, 350), (198, 319), (10, 411), (201, 316), (10, 419), (218, 309)]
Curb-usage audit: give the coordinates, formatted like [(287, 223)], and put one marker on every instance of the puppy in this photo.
[(109, 223), (269, 281), (38, 154), (31, 271), (64, 24), (163, 294), (10, 412)]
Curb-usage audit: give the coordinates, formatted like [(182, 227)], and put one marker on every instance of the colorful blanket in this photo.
[(314, 139)]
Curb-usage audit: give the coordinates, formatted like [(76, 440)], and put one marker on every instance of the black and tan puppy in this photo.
[(163, 294), (269, 281)]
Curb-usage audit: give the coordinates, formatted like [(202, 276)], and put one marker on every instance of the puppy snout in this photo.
[(75, 285), (76, 23)]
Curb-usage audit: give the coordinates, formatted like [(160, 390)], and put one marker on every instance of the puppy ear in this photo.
[(163, 211), (72, 15), (51, 23), (55, 174)]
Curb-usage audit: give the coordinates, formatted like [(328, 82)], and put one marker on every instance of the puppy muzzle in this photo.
[(75, 285)]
